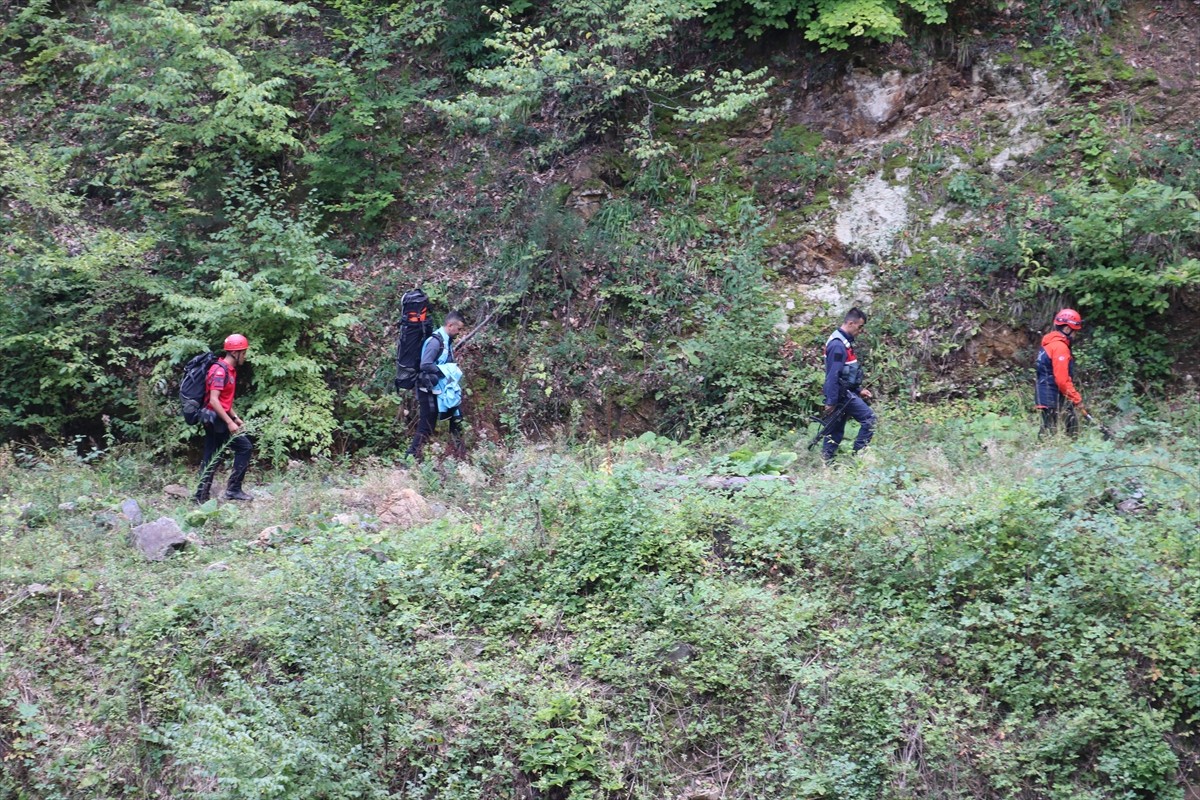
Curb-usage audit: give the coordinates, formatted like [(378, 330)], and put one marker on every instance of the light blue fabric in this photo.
[(447, 354), (449, 388), (445, 357)]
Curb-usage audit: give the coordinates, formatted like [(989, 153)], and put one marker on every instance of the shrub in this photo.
[(831, 23), (1127, 258), (69, 289), (186, 92), (272, 281)]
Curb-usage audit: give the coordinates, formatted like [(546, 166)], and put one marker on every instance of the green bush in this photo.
[(833, 24), (69, 292), (600, 66), (272, 280), (1126, 256), (185, 92)]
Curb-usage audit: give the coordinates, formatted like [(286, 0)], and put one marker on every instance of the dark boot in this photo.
[(241, 447), (204, 492), (233, 489), (414, 449)]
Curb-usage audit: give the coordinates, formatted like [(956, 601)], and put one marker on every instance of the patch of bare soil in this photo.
[(1163, 36)]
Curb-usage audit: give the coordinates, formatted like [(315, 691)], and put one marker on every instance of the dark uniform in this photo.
[(843, 379)]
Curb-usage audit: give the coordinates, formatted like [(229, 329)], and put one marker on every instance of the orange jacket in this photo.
[(1056, 354)]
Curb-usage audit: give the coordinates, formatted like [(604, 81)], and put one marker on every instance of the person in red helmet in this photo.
[(224, 431), (1055, 375)]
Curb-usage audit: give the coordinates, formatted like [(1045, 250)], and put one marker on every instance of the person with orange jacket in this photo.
[(1056, 374)]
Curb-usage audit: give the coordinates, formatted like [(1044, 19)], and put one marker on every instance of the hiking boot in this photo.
[(237, 494)]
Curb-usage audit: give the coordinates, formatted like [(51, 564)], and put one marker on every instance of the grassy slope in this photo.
[(957, 615)]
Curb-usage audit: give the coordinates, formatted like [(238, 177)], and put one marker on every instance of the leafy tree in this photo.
[(589, 65), (1127, 253), (353, 167), (272, 281), (36, 37), (68, 335), (830, 23), (186, 91)]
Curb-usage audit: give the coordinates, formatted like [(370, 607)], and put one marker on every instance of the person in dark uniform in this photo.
[(844, 395)]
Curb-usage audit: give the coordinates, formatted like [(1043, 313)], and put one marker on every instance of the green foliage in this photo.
[(1127, 258), (272, 281), (67, 332), (1177, 163), (36, 37), (793, 162), (731, 376), (566, 747), (729, 372), (959, 615), (1051, 16), (354, 168), (186, 91), (748, 462), (598, 65), (964, 188), (351, 171), (609, 538), (832, 24)]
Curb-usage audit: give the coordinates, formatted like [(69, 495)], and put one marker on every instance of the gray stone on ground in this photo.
[(156, 539), (404, 509), (175, 490), (132, 511)]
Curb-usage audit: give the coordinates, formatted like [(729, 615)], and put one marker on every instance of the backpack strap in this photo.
[(841, 337), (447, 348)]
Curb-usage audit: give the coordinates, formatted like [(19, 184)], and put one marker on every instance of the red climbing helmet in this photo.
[(235, 341), (1069, 317)]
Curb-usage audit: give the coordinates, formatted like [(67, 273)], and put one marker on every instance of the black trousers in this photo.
[(1051, 420), (857, 409), (215, 437), (427, 404)]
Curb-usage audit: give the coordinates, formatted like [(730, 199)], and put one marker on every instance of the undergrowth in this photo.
[(960, 612)]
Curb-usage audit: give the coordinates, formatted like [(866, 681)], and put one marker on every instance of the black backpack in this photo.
[(415, 328), (191, 389)]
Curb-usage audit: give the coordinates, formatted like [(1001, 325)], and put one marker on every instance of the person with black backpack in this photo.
[(222, 425), (430, 381)]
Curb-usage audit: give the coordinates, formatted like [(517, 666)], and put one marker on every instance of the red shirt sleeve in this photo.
[(1060, 359), (222, 379)]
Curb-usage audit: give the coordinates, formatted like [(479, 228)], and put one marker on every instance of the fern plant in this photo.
[(185, 91), (274, 282)]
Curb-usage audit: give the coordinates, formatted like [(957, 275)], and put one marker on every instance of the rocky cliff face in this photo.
[(935, 158)]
